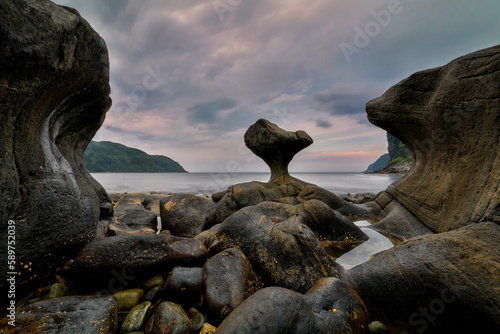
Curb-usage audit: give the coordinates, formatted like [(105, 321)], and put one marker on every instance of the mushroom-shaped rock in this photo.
[(276, 146)]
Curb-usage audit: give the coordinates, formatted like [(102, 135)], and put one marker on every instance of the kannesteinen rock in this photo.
[(54, 94), (445, 278), (276, 147)]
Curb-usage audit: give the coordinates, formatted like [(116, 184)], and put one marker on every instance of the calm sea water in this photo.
[(208, 183)]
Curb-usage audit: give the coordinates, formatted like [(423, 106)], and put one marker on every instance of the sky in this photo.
[(189, 77)]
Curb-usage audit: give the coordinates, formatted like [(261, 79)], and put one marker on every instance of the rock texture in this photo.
[(229, 280), (276, 146), (330, 306), (134, 254), (185, 215), (284, 253), (441, 283), (449, 119), (54, 94), (68, 315)]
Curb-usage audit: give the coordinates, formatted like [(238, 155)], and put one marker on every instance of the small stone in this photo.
[(207, 329), (58, 290), (43, 291), (171, 318), (377, 327), (67, 265), (148, 328), (152, 282), (136, 318), (153, 294), (197, 319), (127, 299)]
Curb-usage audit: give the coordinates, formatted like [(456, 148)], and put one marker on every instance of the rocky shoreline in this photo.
[(259, 257)]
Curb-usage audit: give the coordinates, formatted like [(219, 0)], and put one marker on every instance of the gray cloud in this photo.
[(344, 100), (321, 123), (267, 55), (208, 112)]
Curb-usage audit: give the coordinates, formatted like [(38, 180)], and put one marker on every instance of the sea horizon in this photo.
[(207, 183)]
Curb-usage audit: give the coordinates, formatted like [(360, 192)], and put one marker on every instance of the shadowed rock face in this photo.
[(276, 147), (54, 94), (449, 118)]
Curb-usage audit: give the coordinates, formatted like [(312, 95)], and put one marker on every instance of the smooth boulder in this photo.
[(229, 280), (330, 306), (284, 253), (68, 315)]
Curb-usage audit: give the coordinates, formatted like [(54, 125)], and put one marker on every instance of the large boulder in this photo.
[(284, 253), (68, 315), (330, 306), (448, 117), (440, 283), (54, 94), (229, 280), (114, 259), (184, 215)]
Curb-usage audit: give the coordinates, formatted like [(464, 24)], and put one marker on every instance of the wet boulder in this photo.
[(330, 306), (229, 280), (67, 315), (284, 253), (185, 215)]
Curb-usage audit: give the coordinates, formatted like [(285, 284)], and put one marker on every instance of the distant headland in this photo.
[(106, 156)]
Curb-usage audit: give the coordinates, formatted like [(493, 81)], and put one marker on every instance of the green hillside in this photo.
[(106, 156)]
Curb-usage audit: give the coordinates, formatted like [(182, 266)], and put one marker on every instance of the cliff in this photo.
[(54, 95)]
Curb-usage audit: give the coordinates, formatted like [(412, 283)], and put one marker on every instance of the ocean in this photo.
[(208, 183)]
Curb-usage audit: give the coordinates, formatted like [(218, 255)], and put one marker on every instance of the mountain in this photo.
[(106, 156), (399, 161), (379, 164)]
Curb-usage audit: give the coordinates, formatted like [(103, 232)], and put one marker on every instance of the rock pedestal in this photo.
[(276, 147)]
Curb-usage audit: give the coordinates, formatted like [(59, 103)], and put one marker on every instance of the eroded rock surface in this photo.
[(449, 119), (440, 283), (284, 253), (68, 315), (276, 147), (54, 94), (330, 306)]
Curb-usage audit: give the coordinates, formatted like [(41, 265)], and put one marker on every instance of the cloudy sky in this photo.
[(188, 77)]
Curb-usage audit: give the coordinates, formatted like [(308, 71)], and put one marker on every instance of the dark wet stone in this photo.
[(67, 315), (170, 318), (284, 253), (330, 306), (116, 261), (229, 280), (440, 283), (184, 286), (136, 318), (185, 214)]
